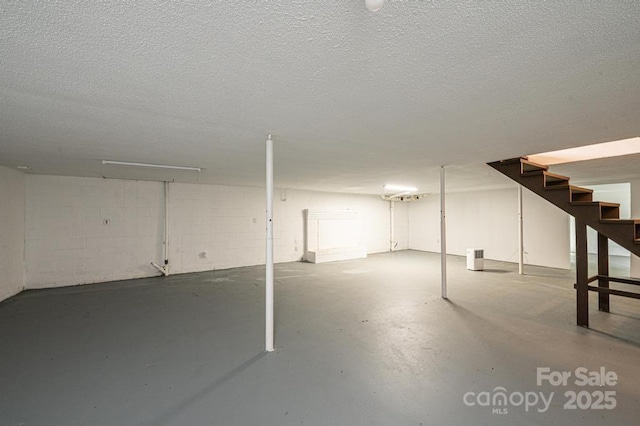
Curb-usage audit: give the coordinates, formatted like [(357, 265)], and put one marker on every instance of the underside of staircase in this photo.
[(601, 216)]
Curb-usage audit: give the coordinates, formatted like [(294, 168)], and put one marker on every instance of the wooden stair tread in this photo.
[(594, 203), (581, 189), (548, 175), (572, 187), (509, 160), (555, 176), (529, 166), (621, 221)]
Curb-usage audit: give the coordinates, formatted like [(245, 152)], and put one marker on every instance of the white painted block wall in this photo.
[(333, 235), (217, 227), (12, 208), (68, 241), (489, 220), (211, 227)]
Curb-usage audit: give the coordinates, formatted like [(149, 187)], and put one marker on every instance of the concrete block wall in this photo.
[(217, 227), (489, 220), (12, 232), (69, 242), (375, 215), (86, 230)]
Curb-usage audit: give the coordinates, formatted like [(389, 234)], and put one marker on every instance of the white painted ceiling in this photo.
[(354, 99)]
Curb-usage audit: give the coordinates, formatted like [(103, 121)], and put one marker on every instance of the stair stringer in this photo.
[(622, 232)]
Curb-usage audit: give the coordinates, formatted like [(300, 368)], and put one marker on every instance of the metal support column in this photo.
[(392, 244), (269, 252), (443, 237), (603, 272), (582, 275), (520, 233)]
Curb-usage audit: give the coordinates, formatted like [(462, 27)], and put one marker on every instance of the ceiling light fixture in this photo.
[(404, 197), (374, 5), (401, 193), (155, 166), (23, 167)]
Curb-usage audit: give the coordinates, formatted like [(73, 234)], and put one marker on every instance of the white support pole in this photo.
[(166, 226), (391, 230), (443, 236), (269, 253), (520, 233)]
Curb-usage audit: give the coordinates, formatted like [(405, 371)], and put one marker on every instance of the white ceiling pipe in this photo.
[(154, 166)]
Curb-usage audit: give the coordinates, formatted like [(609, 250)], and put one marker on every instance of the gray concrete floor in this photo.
[(619, 266), (366, 342)]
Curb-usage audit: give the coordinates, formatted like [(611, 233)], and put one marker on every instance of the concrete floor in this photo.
[(366, 342)]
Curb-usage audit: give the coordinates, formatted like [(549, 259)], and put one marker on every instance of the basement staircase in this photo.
[(601, 216)]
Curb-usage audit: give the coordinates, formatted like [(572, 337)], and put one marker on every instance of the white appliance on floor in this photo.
[(475, 259)]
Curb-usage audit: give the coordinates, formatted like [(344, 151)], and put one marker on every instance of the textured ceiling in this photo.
[(354, 99)]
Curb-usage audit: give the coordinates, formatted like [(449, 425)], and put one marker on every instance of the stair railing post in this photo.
[(603, 272), (582, 275)]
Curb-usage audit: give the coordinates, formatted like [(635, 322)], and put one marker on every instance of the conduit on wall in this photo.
[(164, 269)]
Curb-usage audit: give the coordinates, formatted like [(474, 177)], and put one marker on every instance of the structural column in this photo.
[(269, 252), (582, 275), (392, 245), (603, 272), (443, 237), (520, 233)]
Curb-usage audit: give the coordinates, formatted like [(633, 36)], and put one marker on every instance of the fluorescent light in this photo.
[(589, 152), (23, 167), (155, 166), (400, 188)]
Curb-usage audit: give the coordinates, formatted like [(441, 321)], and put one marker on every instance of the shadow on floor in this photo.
[(169, 416)]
